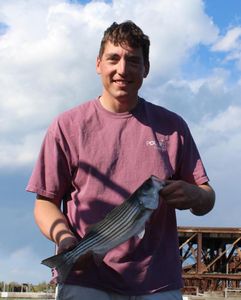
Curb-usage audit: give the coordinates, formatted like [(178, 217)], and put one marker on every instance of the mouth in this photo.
[(122, 82)]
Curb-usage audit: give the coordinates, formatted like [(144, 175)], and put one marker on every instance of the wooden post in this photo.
[(199, 253)]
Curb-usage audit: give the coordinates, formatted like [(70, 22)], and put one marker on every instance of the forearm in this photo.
[(183, 195), (204, 201), (51, 221)]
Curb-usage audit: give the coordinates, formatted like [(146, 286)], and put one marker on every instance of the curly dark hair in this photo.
[(126, 33)]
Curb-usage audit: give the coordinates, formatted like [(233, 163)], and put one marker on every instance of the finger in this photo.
[(67, 244), (169, 181), (175, 203), (169, 187)]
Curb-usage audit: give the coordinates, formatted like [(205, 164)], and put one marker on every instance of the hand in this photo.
[(180, 194), (67, 243)]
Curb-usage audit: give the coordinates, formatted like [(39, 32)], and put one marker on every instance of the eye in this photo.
[(134, 60), (147, 188), (113, 58)]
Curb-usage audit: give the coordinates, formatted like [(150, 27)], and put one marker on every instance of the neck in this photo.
[(117, 106)]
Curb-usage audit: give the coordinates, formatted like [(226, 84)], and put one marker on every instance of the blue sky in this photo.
[(47, 62)]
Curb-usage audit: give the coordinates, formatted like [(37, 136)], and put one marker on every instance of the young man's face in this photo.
[(122, 71)]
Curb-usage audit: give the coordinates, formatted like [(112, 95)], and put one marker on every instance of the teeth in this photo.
[(121, 81)]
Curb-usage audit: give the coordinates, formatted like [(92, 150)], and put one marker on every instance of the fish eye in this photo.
[(147, 187)]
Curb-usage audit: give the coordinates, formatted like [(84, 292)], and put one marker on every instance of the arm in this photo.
[(199, 199), (53, 224)]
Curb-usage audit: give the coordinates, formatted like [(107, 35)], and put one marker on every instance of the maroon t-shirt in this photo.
[(93, 159)]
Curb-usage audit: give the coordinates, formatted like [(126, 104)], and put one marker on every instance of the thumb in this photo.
[(67, 243)]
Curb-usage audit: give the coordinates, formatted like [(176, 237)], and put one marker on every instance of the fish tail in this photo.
[(61, 263)]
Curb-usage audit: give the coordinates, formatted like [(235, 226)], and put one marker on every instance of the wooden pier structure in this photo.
[(211, 259)]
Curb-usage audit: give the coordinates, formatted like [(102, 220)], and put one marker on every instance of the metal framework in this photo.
[(211, 258)]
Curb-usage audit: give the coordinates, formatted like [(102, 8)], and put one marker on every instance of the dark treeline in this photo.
[(26, 287)]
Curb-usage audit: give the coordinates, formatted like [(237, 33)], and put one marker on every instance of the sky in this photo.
[(48, 50)]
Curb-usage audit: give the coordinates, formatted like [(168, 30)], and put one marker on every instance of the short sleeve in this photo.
[(51, 176), (191, 168)]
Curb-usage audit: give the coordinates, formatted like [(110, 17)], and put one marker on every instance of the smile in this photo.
[(121, 82)]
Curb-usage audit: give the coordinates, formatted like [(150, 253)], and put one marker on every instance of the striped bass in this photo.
[(122, 223)]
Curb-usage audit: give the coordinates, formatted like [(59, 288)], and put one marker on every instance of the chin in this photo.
[(124, 97)]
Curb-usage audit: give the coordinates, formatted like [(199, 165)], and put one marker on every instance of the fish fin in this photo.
[(141, 233), (98, 258), (84, 259), (61, 263), (53, 261)]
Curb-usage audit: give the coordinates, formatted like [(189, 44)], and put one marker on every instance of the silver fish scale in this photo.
[(122, 223), (126, 217), (117, 212)]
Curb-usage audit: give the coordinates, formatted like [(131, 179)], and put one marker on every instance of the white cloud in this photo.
[(197, 98), (47, 54), (219, 141), (219, 138), (21, 151), (23, 266), (230, 44), (212, 109), (230, 41), (47, 74), (47, 65), (175, 29), (222, 121), (47, 57)]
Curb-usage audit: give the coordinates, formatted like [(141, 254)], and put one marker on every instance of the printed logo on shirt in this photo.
[(161, 145)]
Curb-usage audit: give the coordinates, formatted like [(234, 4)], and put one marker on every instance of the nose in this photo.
[(122, 67)]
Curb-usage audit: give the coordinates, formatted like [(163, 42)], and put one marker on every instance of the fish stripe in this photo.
[(117, 212), (120, 224), (125, 219)]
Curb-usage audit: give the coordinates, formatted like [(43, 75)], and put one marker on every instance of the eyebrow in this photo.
[(114, 54), (111, 54)]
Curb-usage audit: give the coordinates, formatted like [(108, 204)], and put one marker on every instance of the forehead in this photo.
[(123, 49)]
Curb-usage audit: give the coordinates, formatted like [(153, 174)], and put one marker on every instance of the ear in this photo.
[(98, 61), (147, 68)]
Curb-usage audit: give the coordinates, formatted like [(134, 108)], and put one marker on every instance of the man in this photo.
[(97, 154)]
